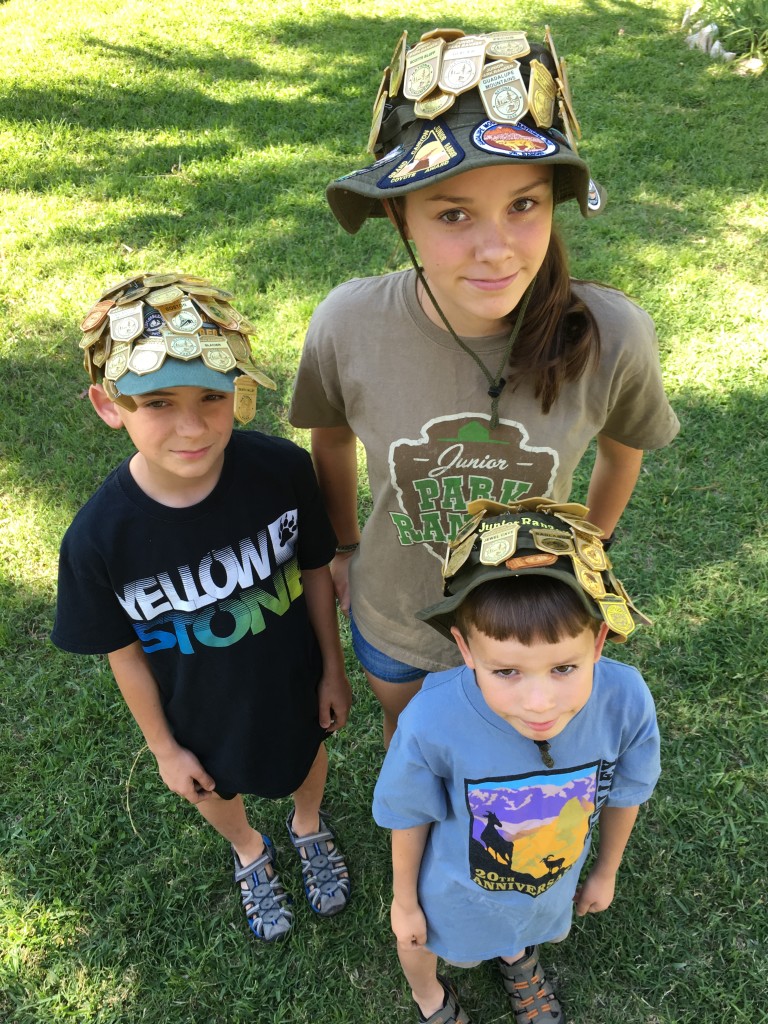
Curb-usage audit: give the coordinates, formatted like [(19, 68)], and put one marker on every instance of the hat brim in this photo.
[(441, 615), (461, 141), (175, 373)]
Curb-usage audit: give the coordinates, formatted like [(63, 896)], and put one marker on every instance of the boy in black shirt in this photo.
[(200, 567)]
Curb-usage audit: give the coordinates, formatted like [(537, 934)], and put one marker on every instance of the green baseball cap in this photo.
[(534, 537), (454, 102)]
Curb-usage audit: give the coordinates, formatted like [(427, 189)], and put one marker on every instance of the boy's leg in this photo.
[(229, 819), (393, 698), (420, 969), (325, 875), (264, 899)]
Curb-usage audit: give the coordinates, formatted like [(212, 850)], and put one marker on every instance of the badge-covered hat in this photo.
[(154, 331), (534, 537), (452, 103)]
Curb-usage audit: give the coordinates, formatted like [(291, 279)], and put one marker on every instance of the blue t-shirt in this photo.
[(509, 836)]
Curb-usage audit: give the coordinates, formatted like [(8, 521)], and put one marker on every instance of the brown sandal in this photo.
[(450, 1012), (530, 994)]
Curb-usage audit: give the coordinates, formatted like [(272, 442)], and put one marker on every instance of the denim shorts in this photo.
[(379, 664)]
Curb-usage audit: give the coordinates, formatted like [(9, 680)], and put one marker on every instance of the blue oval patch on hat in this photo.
[(152, 322), (516, 141), (435, 151)]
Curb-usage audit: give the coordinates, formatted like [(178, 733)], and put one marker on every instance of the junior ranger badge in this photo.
[(422, 68), (397, 65), (498, 543), (541, 95), (503, 91), (507, 45), (126, 322), (462, 64)]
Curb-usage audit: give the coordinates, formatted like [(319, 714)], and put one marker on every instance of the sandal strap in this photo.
[(530, 994), (451, 1012), (323, 869), (263, 897)]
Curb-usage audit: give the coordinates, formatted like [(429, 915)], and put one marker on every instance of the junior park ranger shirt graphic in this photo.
[(456, 460)]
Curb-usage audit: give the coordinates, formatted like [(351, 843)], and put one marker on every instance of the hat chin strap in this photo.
[(495, 383)]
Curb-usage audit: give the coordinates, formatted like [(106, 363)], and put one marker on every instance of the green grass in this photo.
[(156, 135)]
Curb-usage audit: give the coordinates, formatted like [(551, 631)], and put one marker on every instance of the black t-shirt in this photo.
[(214, 594)]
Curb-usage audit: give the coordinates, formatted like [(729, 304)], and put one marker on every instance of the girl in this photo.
[(485, 371)]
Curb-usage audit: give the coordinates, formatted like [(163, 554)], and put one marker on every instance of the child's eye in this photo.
[(157, 403), (505, 673), (214, 396), (523, 205), (563, 670), (453, 216)]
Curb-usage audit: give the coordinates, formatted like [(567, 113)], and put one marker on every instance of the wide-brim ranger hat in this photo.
[(534, 537), (156, 331), (455, 102)]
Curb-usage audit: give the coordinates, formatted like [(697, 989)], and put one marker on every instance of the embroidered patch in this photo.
[(594, 201), (436, 150), (152, 322), (514, 140), (393, 154)]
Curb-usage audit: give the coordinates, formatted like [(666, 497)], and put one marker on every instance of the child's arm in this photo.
[(334, 453), (407, 917), (613, 479), (334, 692), (179, 769), (616, 824)]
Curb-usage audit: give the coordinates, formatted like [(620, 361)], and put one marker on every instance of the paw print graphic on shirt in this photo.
[(287, 529)]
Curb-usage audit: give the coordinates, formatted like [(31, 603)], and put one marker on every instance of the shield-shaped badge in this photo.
[(126, 322)]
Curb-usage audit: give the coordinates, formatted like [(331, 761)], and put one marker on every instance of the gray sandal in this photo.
[(264, 900), (450, 1012), (323, 871), (531, 996)]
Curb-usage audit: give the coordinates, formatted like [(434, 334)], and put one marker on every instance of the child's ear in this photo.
[(602, 635), (105, 407), (463, 646)]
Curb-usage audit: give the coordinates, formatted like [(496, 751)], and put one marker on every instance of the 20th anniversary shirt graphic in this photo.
[(456, 460), (223, 597)]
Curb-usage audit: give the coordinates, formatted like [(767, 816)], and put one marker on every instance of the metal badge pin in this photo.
[(182, 346), (462, 64), (434, 105), (590, 580), (126, 322), (457, 555), (378, 117), (469, 527), (617, 614), (241, 350), (503, 92), (146, 357), (217, 355), (120, 286), (187, 320), (541, 94), (565, 91), (117, 364), (555, 542), (498, 543), (160, 280), (96, 315), (397, 65), (422, 68), (245, 399), (448, 34), (255, 374), (591, 553), (507, 45)]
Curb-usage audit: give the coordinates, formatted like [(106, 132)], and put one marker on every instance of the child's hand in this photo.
[(182, 773), (334, 696), (340, 577), (596, 893), (409, 925)]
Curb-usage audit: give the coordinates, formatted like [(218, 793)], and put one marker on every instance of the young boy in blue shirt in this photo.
[(200, 568), (499, 770)]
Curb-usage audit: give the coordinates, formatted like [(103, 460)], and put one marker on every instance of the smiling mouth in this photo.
[(492, 284)]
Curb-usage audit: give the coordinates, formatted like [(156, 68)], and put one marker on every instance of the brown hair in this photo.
[(529, 609), (559, 337)]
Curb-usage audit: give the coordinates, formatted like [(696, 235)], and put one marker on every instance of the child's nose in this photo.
[(492, 241), (539, 697), (190, 424)]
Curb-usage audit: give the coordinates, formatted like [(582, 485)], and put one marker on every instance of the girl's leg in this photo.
[(393, 698), (420, 969)]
